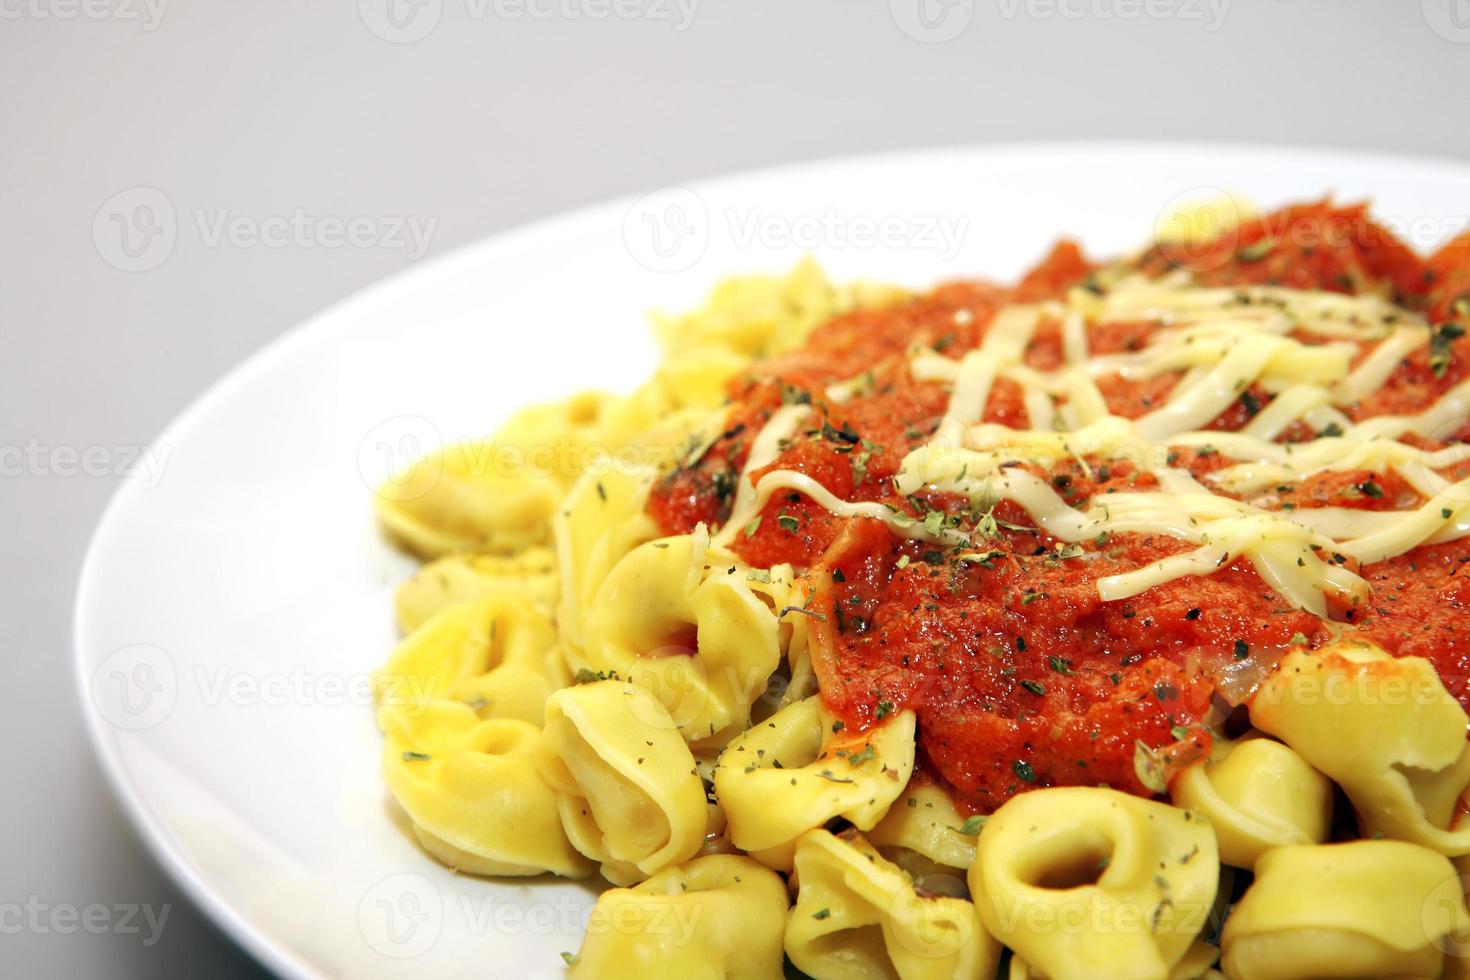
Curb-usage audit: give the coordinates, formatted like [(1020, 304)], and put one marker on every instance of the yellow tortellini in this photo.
[(457, 579), (1373, 908), (1257, 794), (473, 791), (627, 790), (699, 376), (1197, 964), (720, 917), (1086, 882), (498, 655), (495, 494), (1383, 729), (859, 916), (704, 643), (816, 774), (924, 820), (601, 521)]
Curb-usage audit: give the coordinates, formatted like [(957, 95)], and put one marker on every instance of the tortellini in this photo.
[(704, 643), (720, 917), (1085, 882), (600, 522), (858, 916), (472, 789), (494, 494), (1383, 729), (1197, 964), (498, 655), (457, 579), (1257, 794), (924, 820), (1372, 908), (627, 790), (816, 774)]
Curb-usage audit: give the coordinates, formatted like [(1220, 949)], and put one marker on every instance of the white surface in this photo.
[(233, 607), (262, 108)]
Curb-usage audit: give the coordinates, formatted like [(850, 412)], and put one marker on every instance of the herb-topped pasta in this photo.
[(1257, 794), (857, 915), (1102, 625), (473, 791), (720, 916), (698, 637), (498, 655), (462, 578), (627, 789), (1083, 881), (805, 758)]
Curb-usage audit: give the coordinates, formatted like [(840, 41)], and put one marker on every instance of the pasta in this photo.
[(495, 494), (926, 822), (702, 641), (720, 916), (1083, 882), (1004, 629), (473, 791), (1385, 730), (857, 915), (627, 789), (498, 655), (460, 578), (817, 774), (1258, 795), (1372, 908)]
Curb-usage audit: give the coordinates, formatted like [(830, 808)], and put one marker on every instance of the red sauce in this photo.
[(1021, 676)]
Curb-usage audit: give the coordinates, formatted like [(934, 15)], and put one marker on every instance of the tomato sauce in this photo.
[(1020, 674)]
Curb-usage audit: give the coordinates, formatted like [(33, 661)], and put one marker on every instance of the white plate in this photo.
[(237, 596)]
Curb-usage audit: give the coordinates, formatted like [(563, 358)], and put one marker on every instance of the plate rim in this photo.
[(279, 957)]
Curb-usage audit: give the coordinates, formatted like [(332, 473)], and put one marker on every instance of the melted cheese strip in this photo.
[(1442, 518), (1371, 375), (781, 426), (1171, 298)]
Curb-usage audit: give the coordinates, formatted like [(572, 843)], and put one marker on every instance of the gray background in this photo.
[(248, 110)]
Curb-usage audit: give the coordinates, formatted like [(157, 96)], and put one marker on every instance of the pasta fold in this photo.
[(1085, 882), (627, 790), (1257, 794), (498, 655), (924, 820), (495, 494), (720, 917), (457, 579), (1383, 729), (703, 643), (1373, 908), (601, 521), (817, 774), (472, 789), (858, 915)]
